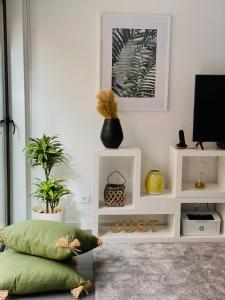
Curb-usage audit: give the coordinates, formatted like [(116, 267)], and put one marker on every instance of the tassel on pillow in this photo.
[(64, 243), (3, 294), (77, 291), (99, 241), (2, 239)]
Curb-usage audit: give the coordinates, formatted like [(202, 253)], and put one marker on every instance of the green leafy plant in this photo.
[(50, 191), (47, 152)]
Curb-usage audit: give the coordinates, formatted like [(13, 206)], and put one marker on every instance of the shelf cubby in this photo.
[(127, 161), (209, 206), (165, 229), (184, 170)]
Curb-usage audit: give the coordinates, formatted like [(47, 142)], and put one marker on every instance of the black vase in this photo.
[(112, 133)]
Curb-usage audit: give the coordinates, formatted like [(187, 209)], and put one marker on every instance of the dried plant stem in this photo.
[(107, 105)]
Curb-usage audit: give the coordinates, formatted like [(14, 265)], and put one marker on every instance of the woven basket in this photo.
[(114, 193)]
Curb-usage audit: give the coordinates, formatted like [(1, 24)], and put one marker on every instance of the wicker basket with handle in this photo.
[(114, 193)]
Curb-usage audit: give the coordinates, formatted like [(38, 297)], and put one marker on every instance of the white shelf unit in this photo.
[(165, 207)]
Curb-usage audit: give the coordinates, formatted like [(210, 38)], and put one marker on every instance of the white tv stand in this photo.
[(165, 207)]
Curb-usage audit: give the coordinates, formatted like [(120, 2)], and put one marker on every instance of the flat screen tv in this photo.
[(209, 109)]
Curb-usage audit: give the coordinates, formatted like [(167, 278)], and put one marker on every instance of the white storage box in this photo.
[(200, 223)]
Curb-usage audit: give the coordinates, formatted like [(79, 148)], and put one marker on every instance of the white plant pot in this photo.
[(58, 216)]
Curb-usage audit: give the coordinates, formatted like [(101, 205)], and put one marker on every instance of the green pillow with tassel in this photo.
[(26, 274), (49, 239)]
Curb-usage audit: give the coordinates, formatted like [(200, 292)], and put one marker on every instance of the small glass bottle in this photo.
[(200, 180)]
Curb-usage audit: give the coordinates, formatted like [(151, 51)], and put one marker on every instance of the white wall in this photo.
[(65, 71)]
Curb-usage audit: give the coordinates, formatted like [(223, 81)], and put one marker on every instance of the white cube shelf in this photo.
[(128, 162), (183, 161), (166, 207)]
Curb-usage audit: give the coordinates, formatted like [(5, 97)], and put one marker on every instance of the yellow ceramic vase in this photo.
[(154, 182)]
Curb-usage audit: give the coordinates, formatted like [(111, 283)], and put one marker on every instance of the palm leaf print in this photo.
[(134, 62)]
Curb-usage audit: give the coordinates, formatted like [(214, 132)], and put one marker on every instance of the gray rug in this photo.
[(193, 271)]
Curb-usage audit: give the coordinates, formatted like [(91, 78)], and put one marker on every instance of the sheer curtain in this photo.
[(3, 175)]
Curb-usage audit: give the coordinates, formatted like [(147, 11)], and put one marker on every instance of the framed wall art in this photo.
[(135, 60)]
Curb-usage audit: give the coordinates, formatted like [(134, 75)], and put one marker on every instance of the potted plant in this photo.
[(47, 152), (111, 134)]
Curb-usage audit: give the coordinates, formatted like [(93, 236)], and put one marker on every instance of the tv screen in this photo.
[(209, 108)]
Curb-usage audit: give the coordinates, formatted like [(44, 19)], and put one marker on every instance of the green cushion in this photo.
[(42, 238), (24, 274)]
